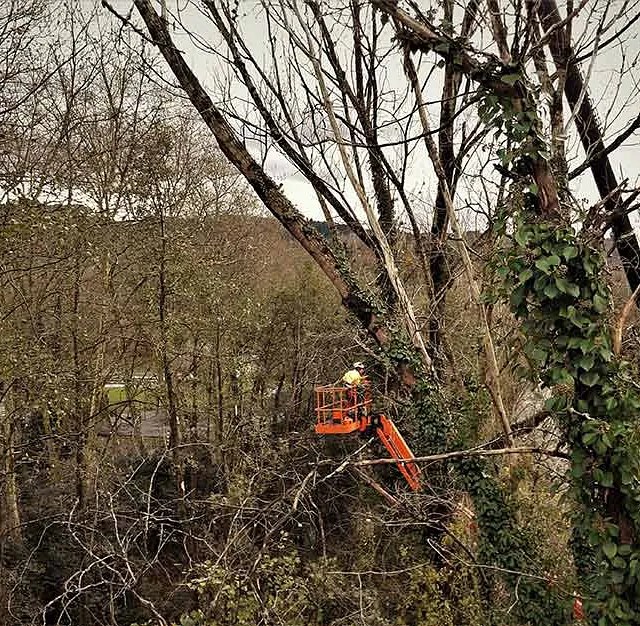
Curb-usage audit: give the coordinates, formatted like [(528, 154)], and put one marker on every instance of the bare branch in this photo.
[(631, 128), (459, 454)]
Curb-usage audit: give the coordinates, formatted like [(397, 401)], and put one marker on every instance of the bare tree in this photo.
[(341, 131)]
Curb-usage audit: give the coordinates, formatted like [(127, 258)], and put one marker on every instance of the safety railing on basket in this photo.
[(335, 404)]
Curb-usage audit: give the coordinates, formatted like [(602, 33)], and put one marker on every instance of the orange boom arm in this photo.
[(396, 445)]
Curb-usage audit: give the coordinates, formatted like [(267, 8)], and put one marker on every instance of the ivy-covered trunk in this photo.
[(554, 281), (507, 552), (557, 289)]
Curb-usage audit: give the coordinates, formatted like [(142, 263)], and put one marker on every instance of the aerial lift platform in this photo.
[(344, 410)]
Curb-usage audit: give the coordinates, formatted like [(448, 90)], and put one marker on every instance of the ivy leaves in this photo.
[(554, 285), (547, 263)]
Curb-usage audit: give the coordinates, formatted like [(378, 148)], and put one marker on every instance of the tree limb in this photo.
[(590, 133), (265, 187), (614, 145), (445, 456)]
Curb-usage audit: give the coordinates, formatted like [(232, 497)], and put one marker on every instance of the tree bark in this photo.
[(219, 426), (193, 416), (9, 510), (84, 489), (440, 275), (175, 438)]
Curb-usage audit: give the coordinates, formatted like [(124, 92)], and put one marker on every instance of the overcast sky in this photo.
[(616, 100)]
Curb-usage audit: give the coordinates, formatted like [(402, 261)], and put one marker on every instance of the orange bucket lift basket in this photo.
[(343, 410)]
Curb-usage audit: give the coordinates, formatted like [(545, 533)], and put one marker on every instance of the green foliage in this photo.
[(554, 284), (276, 588), (432, 416), (509, 547), (401, 352), (441, 597), (502, 543), (469, 411), (520, 125), (364, 301)]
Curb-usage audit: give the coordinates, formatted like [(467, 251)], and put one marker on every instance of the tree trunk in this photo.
[(219, 426), (193, 417), (83, 462), (167, 373), (9, 511), (439, 271), (591, 137), (175, 435)]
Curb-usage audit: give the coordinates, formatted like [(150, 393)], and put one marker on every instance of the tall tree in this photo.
[(349, 142)]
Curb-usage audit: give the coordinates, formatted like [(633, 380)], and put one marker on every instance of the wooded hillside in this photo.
[(207, 211)]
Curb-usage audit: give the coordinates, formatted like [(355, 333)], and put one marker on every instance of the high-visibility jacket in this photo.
[(352, 377)]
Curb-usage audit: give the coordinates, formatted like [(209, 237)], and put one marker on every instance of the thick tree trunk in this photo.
[(438, 262), (440, 275), (591, 137), (265, 187), (493, 370)]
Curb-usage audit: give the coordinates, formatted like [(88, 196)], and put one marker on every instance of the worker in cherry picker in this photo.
[(354, 380), (355, 376)]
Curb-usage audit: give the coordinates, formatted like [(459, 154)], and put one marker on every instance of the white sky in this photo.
[(607, 91)]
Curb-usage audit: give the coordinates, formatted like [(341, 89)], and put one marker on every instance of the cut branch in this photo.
[(622, 320)]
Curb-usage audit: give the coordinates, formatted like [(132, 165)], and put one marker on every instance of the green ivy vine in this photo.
[(555, 286), (507, 546), (503, 545)]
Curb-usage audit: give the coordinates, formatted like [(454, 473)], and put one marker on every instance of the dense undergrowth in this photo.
[(260, 534)]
